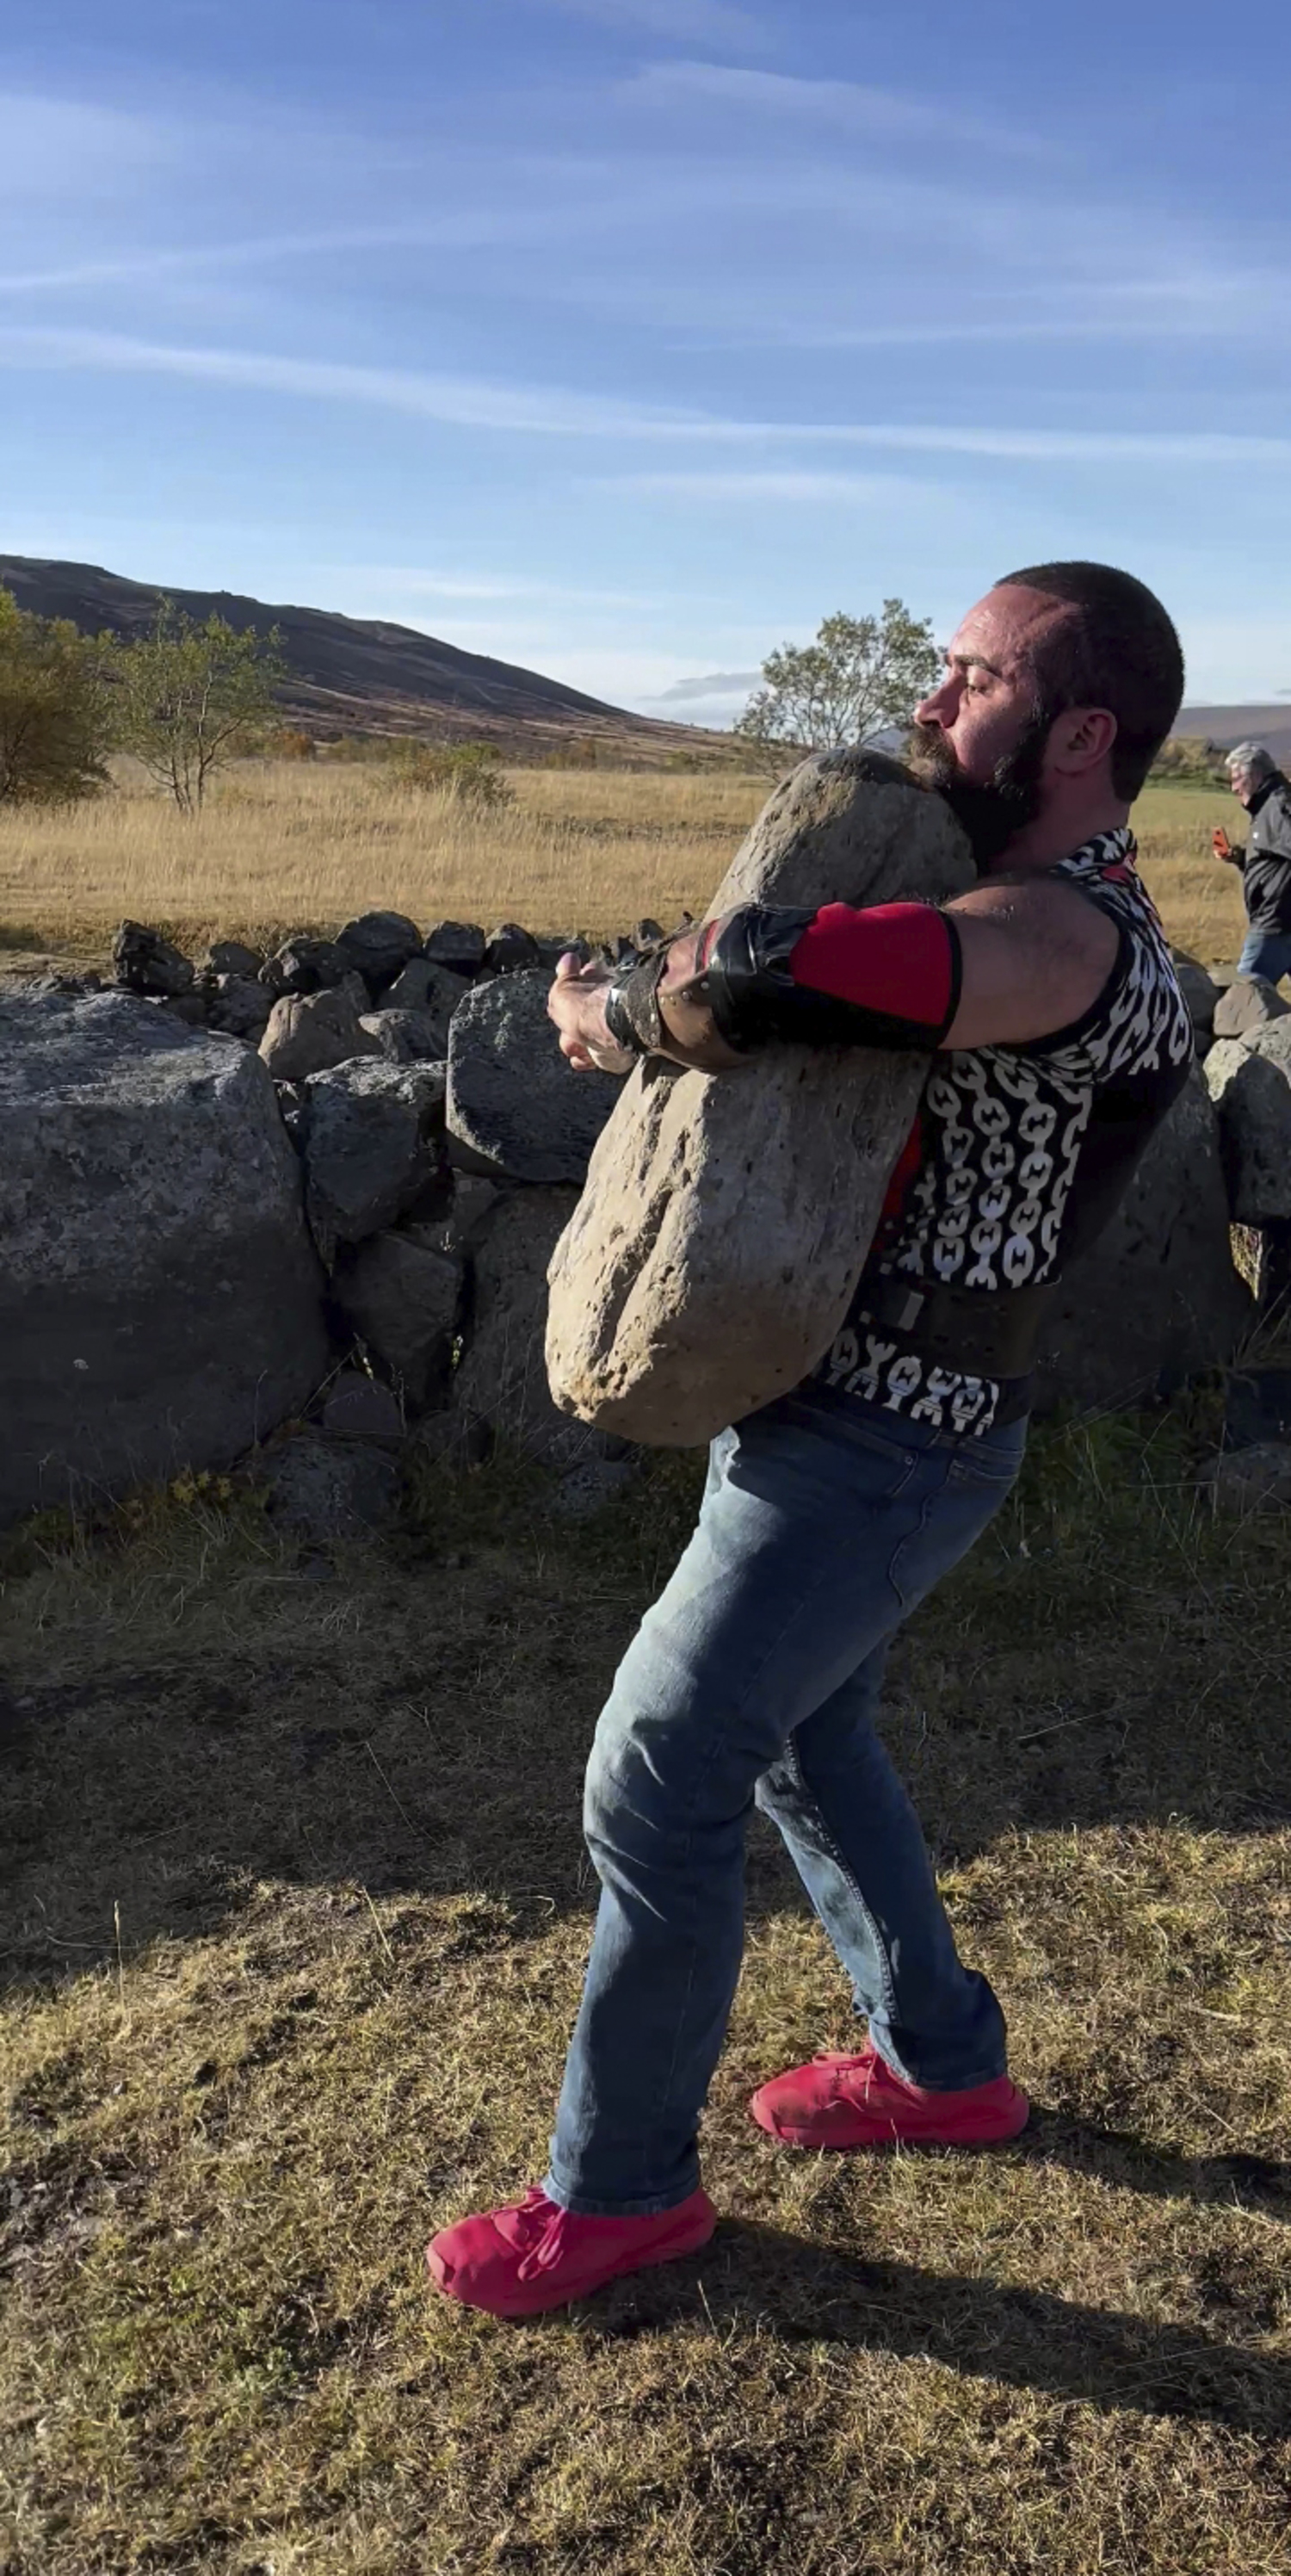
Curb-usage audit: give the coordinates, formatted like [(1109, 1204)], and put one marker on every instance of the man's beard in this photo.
[(993, 814)]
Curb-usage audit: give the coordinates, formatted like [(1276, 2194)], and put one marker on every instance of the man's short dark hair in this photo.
[(1117, 649)]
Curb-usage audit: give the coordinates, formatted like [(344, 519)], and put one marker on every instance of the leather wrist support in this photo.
[(768, 974)]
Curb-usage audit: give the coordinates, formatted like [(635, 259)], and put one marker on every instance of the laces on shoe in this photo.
[(540, 2230)]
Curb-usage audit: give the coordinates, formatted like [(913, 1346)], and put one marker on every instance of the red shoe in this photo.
[(859, 2102), (517, 2261)]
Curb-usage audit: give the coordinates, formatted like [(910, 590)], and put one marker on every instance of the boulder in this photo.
[(232, 957), (1249, 1080), (308, 1032), (727, 1217), (430, 990), (499, 1388), (358, 1408), (1157, 1298), (459, 945), (239, 1006), (404, 1301), (1247, 1004), (304, 965), (322, 1489), (457, 1227), (510, 949), (516, 1110), (1246, 1480), (378, 945), (160, 1300), (192, 1010), (1201, 993), (373, 1144), (1257, 1407), (147, 963)]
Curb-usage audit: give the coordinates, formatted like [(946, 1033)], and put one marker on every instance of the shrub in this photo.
[(466, 771), (56, 715)]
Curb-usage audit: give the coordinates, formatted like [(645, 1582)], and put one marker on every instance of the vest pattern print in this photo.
[(1020, 1156)]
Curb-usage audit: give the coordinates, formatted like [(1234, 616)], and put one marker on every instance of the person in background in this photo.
[(1265, 862)]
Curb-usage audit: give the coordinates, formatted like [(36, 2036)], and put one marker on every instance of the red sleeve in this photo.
[(901, 959)]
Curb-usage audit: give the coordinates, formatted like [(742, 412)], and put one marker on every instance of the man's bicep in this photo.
[(1034, 960)]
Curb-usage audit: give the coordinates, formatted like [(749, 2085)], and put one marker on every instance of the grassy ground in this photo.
[(293, 1940), (289, 845)]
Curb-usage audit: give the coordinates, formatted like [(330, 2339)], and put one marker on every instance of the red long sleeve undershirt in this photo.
[(898, 958)]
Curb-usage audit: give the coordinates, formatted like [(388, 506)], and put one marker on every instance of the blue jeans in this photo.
[(1266, 953), (756, 1677)]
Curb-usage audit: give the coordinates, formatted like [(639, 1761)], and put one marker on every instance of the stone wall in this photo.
[(324, 1185)]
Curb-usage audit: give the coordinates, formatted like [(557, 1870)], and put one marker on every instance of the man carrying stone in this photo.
[(1265, 862), (1061, 1039)]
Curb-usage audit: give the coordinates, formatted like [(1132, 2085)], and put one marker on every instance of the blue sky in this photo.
[(626, 338)]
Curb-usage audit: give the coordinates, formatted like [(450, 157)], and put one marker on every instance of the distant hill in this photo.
[(363, 675), (1227, 725)]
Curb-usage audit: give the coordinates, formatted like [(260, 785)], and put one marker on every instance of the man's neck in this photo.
[(1055, 834)]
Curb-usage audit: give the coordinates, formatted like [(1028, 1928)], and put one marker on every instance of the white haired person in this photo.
[(1265, 862)]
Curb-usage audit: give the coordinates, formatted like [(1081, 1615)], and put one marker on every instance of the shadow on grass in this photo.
[(756, 2279), (416, 1719)]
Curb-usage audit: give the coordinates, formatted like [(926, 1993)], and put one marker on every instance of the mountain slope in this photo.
[(351, 674), (1270, 725)]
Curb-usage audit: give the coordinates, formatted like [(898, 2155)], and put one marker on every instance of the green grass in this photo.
[(294, 1932)]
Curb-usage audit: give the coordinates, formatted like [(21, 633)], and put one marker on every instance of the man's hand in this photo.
[(1223, 847), (576, 1003)]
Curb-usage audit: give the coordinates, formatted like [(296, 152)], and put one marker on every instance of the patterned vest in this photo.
[(1019, 1156)]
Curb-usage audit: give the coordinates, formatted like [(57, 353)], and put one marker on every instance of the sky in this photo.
[(627, 339)]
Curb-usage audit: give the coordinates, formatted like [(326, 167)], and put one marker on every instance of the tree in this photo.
[(194, 695), (860, 675), (55, 710)]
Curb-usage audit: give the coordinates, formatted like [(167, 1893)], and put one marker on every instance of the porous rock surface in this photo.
[(726, 1217), (372, 1145), (403, 1300), (500, 1389), (309, 1032), (515, 1110), (160, 1300), (1250, 1083), (1249, 1002), (1157, 1297)]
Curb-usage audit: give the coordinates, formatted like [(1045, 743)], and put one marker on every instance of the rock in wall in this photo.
[(160, 1300)]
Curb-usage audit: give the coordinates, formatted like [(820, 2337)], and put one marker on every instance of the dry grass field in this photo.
[(292, 846), (295, 1922)]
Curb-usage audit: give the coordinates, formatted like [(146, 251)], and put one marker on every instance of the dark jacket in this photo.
[(1266, 860)]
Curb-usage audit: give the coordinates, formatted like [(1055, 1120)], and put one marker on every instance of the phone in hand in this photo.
[(1220, 843)]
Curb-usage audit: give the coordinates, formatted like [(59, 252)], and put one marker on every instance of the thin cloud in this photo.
[(849, 107), (556, 412), (699, 22)]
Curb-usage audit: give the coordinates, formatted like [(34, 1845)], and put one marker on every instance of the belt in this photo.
[(983, 1332)]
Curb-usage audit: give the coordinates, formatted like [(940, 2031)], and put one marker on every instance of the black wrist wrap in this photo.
[(753, 997), (632, 1006)]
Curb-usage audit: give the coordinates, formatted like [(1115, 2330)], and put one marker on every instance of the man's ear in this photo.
[(1081, 740)]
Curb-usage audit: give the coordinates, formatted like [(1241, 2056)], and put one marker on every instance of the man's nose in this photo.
[(939, 709)]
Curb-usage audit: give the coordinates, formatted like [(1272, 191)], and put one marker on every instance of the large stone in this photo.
[(516, 1110), (432, 991), (147, 963), (510, 949), (239, 1006), (1201, 993), (379, 945), (304, 964), (1248, 1003), (404, 1301), (1157, 1298), (232, 957), (160, 1300), (322, 1490), (307, 1033), (499, 1389), (373, 1138), (1249, 1080), (727, 1217), (459, 945)]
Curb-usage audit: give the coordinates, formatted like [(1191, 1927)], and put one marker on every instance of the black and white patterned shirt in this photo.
[(1019, 1156)]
